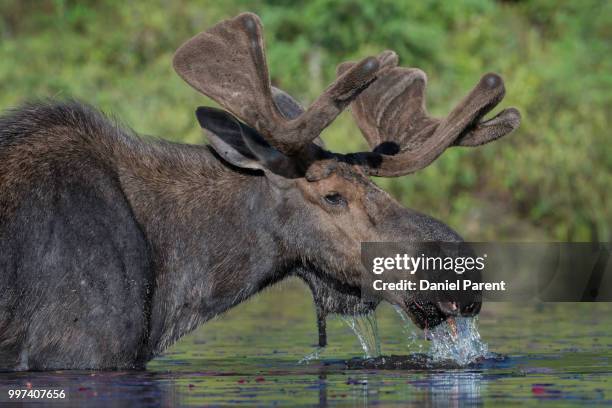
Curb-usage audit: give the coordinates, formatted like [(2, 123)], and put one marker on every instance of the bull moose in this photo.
[(112, 247)]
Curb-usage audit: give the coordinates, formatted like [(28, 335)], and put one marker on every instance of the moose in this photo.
[(112, 247)]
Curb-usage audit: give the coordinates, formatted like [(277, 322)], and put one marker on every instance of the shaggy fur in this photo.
[(98, 229)]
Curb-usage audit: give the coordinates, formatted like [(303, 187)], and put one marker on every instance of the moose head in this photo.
[(325, 204)]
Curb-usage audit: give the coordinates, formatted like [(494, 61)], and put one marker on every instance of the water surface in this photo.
[(553, 354)]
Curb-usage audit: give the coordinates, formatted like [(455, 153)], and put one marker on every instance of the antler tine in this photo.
[(489, 130), (393, 118), (227, 63)]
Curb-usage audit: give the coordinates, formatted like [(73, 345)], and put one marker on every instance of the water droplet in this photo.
[(365, 328), (461, 344), (409, 329), (458, 343)]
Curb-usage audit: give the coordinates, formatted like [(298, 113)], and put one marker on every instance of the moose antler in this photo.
[(227, 63), (393, 118)]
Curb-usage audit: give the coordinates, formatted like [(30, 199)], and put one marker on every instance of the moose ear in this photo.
[(241, 145)]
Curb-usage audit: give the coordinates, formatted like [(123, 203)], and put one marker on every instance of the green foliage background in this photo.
[(549, 180)]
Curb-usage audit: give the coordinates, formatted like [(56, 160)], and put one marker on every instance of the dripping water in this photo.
[(412, 336), (365, 328), (460, 344)]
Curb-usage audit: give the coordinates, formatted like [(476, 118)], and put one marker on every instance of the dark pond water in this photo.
[(553, 354)]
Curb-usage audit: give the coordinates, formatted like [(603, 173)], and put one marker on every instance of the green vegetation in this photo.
[(549, 180)]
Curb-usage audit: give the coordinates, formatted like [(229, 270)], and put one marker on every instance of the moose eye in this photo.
[(335, 199)]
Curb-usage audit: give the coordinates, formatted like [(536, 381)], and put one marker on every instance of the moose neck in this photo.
[(211, 233)]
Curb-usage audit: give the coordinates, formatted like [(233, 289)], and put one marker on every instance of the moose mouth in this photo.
[(427, 315)]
